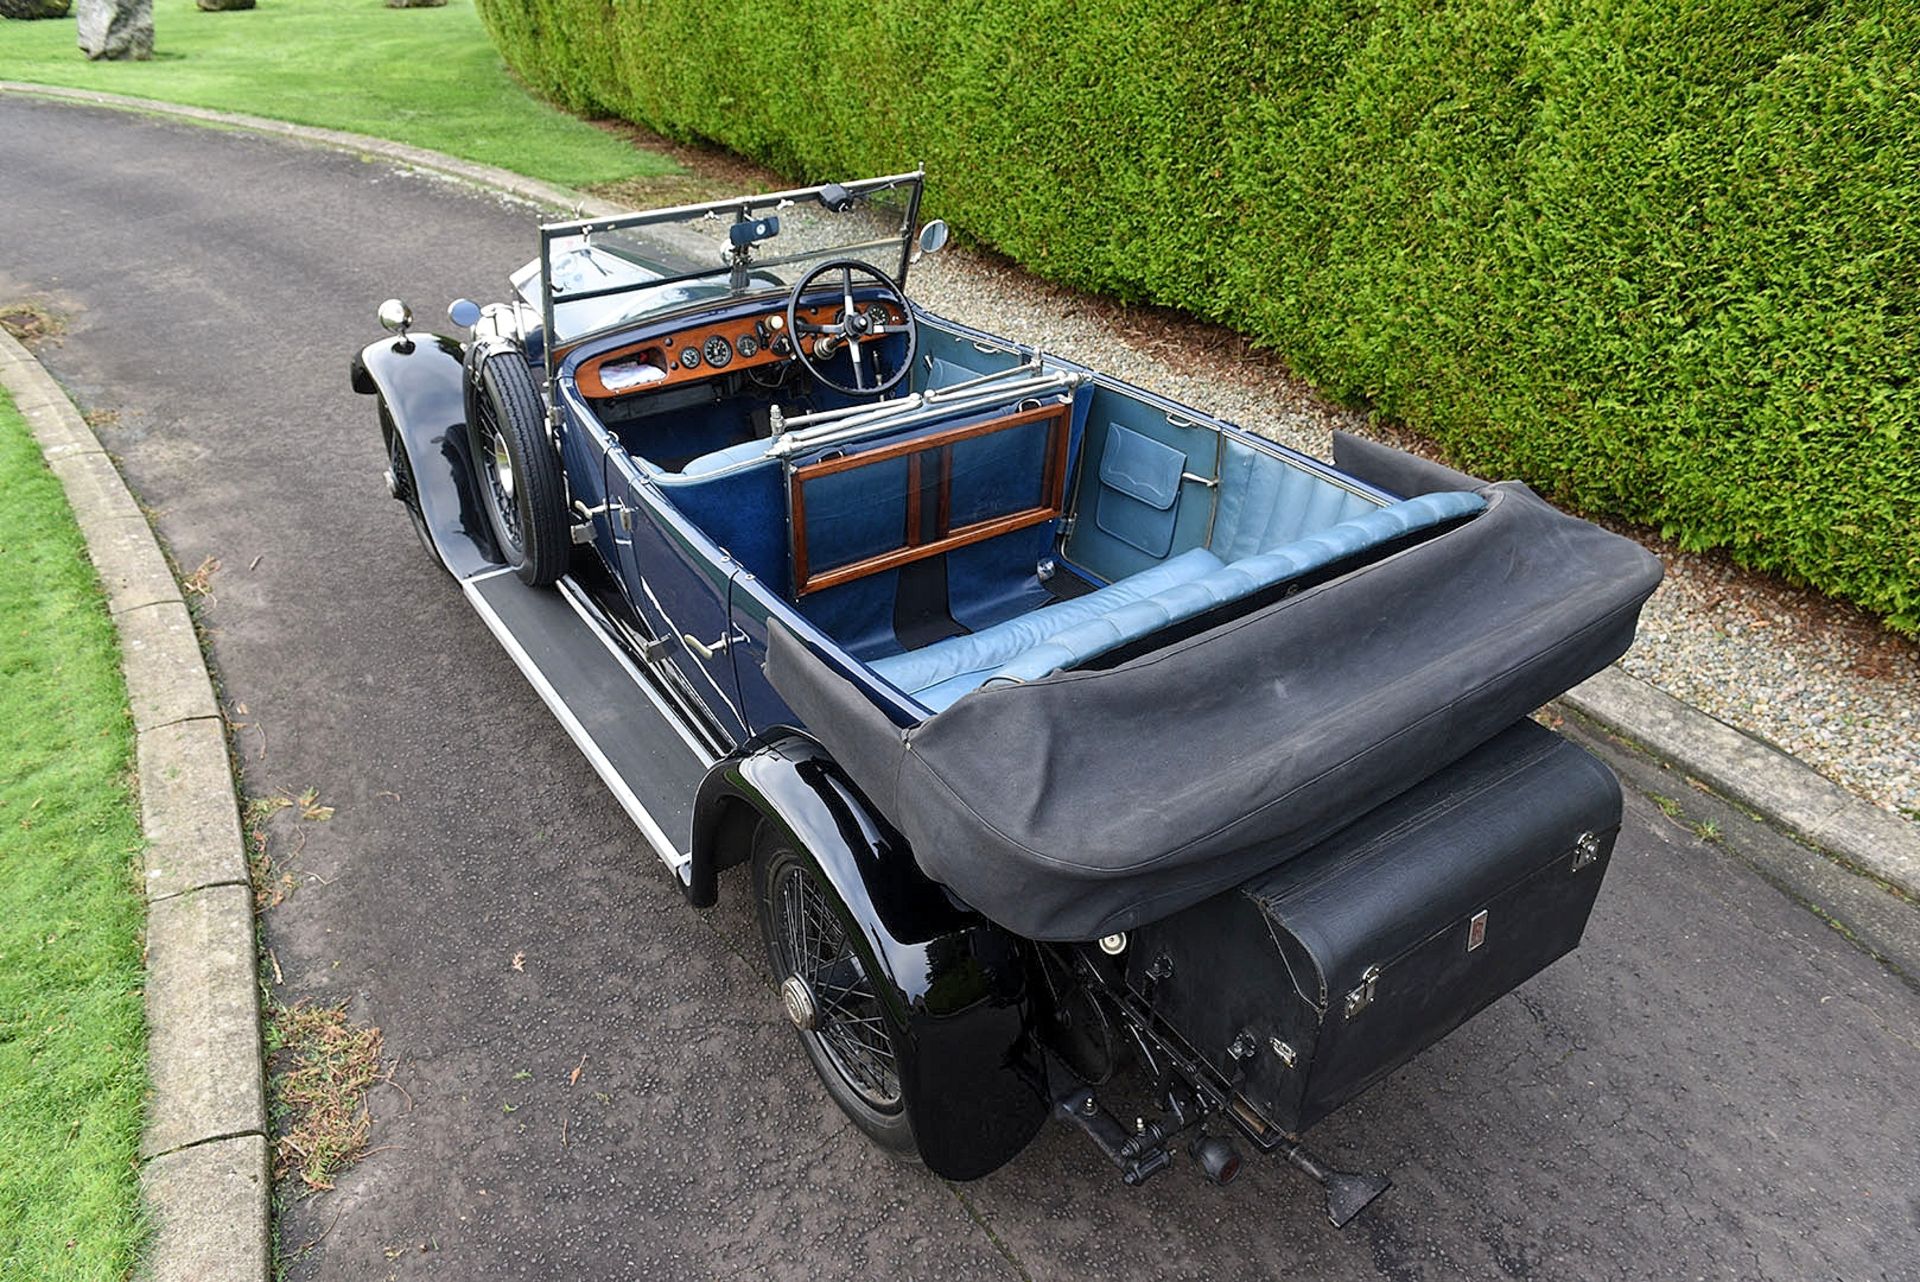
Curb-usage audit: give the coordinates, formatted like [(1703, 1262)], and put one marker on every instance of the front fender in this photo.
[(972, 1070), (419, 381)]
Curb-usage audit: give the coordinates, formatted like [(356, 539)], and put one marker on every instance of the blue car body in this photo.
[(778, 578)]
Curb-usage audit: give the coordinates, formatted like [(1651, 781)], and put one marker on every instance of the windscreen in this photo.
[(605, 274)]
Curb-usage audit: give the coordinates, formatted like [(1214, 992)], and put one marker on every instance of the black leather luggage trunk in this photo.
[(1307, 984)]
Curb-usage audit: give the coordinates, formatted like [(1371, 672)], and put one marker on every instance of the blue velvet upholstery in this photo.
[(1032, 645), (855, 514), (965, 661), (998, 473)]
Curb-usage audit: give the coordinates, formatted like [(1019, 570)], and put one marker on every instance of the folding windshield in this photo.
[(606, 273)]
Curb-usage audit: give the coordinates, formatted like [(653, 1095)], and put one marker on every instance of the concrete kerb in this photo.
[(204, 1150), (1788, 793)]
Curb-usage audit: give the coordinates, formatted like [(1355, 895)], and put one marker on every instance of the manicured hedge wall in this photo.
[(1661, 258)]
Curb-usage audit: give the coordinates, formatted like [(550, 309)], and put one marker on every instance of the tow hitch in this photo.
[(1140, 1156)]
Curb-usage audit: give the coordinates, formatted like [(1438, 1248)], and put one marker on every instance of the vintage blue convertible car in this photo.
[(1061, 726)]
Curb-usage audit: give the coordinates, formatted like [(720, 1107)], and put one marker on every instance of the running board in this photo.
[(629, 735)]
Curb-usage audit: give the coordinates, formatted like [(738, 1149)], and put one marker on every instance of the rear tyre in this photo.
[(516, 466), (829, 984)]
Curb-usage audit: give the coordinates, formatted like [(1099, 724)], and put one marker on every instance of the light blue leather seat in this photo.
[(945, 373), (1264, 504), (1058, 636), (938, 674), (744, 452)]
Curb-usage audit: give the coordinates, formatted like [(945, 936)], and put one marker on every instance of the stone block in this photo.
[(209, 1213), (166, 677), (203, 1019), (188, 810)]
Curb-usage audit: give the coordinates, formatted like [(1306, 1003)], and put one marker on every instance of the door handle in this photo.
[(710, 650)]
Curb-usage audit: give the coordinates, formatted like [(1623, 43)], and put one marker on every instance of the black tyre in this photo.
[(827, 977), (401, 485), (515, 465)]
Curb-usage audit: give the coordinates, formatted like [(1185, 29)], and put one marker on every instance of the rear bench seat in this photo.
[(1031, 645)]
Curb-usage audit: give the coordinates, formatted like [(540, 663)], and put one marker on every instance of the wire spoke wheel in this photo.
[(402, 484), (496, 466), (515, 466), (840, 999), (848, 1026)]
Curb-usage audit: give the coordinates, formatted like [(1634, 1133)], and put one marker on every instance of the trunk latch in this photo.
[(1358, 999)]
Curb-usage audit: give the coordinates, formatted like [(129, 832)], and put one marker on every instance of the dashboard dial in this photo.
[(747, 345), (689, 358), (719, 350)]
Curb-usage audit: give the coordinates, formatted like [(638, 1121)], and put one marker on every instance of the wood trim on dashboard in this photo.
[(1052, 504), (663, 351)]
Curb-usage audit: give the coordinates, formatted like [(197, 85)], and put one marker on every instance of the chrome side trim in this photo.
[(676, 634), (678, 861), (484, 575)]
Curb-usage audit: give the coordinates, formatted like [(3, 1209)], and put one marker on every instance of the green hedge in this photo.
[(1661, 258)]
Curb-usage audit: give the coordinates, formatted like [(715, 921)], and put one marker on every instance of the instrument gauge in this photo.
[(747, 345), (689, 358), (719, 350)]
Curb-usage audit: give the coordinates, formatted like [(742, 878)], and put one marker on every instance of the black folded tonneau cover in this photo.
[(1092, 801)]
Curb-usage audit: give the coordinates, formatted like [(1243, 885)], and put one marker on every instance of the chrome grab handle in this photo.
[(791, 443)]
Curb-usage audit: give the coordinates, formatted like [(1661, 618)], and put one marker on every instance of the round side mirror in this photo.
[(933, 237), (464, 312), (396, 316)]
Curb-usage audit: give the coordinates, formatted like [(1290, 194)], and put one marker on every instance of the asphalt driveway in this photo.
[(1717, 1085)]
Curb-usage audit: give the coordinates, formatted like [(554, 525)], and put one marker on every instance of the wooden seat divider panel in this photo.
[(913, 545)]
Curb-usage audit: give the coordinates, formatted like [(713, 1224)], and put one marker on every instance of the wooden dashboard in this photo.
[(705, 351)]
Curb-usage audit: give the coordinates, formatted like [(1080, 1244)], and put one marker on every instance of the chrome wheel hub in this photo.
[(502, 467), (798, 999), (827, 994)]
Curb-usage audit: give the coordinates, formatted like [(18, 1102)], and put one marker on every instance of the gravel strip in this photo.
[(1818, 679)]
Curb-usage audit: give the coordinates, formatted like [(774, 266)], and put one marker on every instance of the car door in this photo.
[(678, 582)]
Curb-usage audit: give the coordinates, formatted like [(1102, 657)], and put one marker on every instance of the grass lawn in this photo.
[(429, 77), (72, 1032)]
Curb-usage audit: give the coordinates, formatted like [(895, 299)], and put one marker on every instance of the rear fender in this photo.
[(418, 380), (958, 986)]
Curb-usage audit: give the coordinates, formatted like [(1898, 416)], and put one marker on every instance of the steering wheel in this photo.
[(853, 328)]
